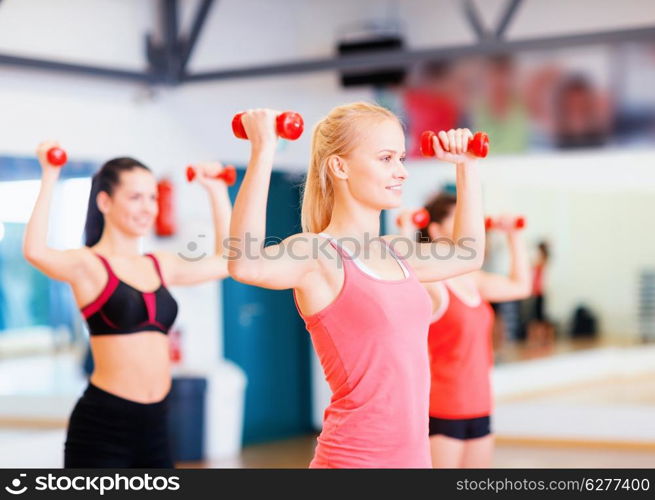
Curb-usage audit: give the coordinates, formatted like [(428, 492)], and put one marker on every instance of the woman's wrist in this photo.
[(50, 175), (264, 150), (468, 163), (216, 189)]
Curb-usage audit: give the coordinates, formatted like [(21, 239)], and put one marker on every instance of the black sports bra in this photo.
[(122, 309)]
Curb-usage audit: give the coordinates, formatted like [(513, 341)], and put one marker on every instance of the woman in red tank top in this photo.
[(460, 346), (540, 330), (363, 305), (120, 421)]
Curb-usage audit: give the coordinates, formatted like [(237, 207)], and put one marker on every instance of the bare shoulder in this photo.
[(324, 277), (85, 258), (309, 246), (88, 269), (163, 257)]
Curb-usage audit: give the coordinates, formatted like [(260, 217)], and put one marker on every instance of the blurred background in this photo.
[(565, 90)]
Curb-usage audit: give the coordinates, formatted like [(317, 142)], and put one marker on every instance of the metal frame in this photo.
[(190, 43), (508, 15), (381, 60), (168, 59), (80, 69), (472, 16)]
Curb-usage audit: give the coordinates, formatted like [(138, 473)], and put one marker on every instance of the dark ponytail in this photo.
[(438, 207), (106, 179)]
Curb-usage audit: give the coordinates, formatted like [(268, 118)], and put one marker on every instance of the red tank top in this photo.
[(461, 357), (538, 280), (372, 344)]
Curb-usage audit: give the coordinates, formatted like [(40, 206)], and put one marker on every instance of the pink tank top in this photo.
[(372, 344)]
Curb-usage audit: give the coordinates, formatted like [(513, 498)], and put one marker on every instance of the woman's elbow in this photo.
[(32, 255), (475, 265), (475, 260), (526, 290), (473, 251), (241, 271), (520, 290)]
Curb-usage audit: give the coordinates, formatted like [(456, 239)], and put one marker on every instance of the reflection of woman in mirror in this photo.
[(540, 330), (460, 346)]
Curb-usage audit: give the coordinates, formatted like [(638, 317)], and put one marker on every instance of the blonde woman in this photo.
[(363, 305)]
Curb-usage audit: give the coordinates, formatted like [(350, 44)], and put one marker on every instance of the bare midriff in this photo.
[(135, 366)]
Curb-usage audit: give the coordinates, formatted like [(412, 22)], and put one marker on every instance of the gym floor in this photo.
[(297, 452)]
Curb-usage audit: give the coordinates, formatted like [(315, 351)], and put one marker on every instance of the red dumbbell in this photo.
[(477, 146), (516, 223), (420, 218), (56, 156), (228, 174), (289, 125)]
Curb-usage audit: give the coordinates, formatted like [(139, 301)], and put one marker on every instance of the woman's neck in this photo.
[(113, 242), (354, 221)]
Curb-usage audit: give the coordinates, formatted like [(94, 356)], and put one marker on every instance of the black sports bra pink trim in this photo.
[(123, 309)]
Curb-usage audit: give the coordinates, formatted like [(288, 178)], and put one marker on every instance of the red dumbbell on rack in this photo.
[(228, 174), (502, 224), (56, 156), (289, 125), (420, 218), (478, 145)]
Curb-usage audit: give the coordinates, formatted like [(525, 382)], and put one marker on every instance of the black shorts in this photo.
[(461, 428), (538, 311), (106, 430)]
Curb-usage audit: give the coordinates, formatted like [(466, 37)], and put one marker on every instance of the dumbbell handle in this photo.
[(478, 145), (289, 125), (56, 156), (492, 223), (228, 174)]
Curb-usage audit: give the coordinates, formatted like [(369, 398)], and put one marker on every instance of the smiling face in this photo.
[(374, 168), (132, 206)]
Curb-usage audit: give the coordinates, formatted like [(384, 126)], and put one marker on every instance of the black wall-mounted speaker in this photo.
[(387, 75)]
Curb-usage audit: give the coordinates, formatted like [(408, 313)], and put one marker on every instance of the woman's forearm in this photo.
[(248, 226), (469, 220), (519, 263), (221, 209), (36, 231)]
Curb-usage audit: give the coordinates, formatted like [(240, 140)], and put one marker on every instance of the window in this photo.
[(36, 311)]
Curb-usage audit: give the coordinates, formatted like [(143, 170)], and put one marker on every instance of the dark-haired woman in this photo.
[(459, 341), (121, 419), (540, 330)]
